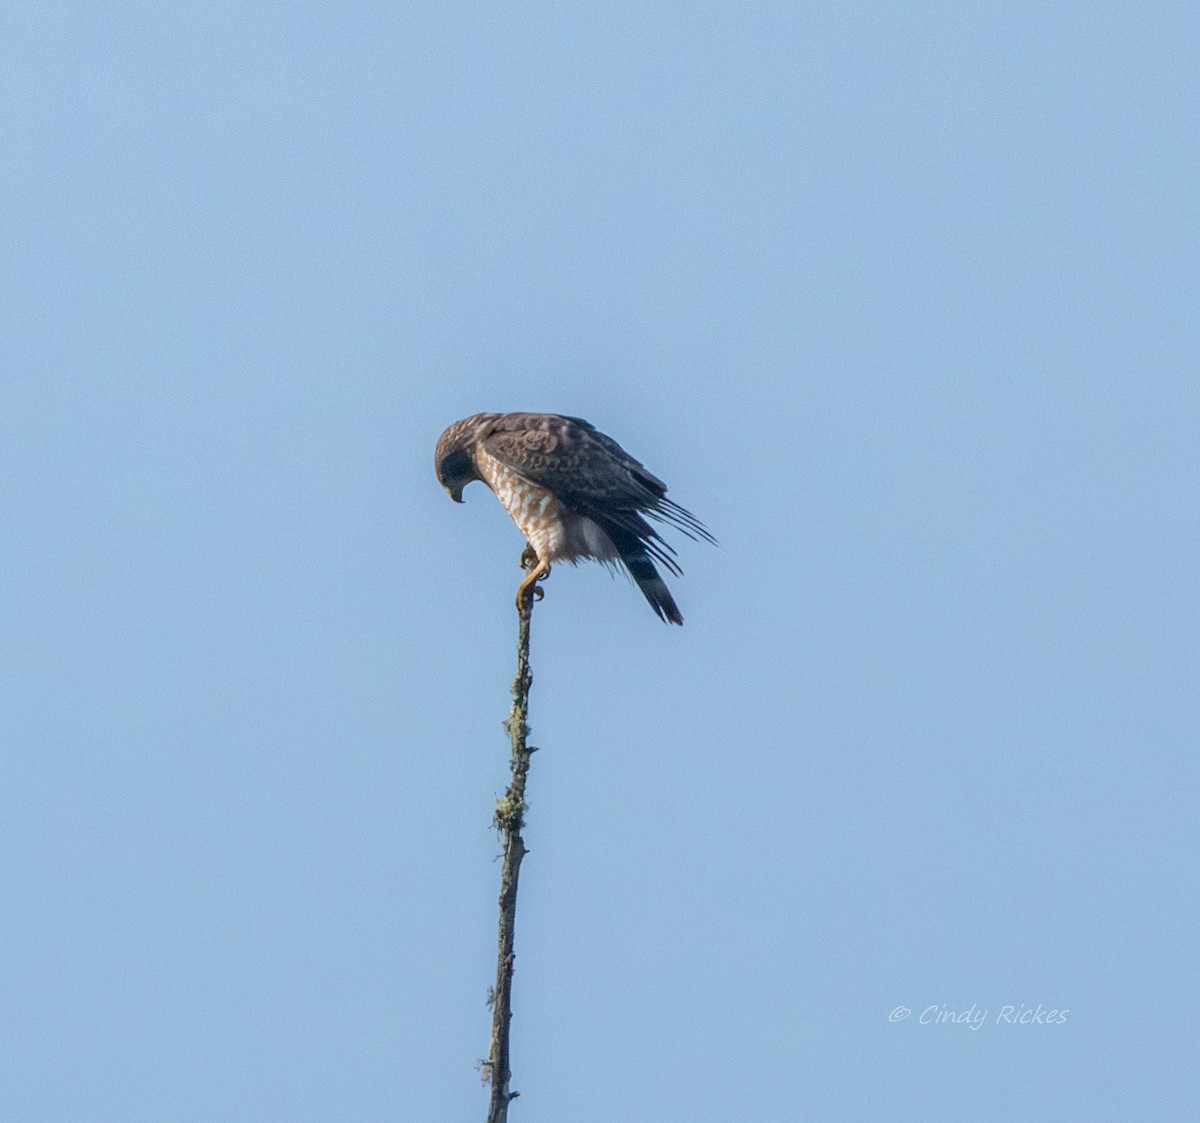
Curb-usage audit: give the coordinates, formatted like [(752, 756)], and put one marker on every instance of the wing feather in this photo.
[(591, 474)]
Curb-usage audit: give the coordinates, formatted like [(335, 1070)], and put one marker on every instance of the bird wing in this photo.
[(568, 456), (591, 474)]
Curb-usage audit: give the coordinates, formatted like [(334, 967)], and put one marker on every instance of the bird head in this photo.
[(454, 458)]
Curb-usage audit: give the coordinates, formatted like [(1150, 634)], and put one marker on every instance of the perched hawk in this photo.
[(573, 492)]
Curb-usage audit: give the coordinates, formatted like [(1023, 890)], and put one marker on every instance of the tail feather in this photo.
[(635, 558)]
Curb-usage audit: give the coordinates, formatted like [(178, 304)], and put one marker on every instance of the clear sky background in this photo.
[(899, 298)]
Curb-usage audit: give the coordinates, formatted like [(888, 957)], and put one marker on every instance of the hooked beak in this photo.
[(455, 493)]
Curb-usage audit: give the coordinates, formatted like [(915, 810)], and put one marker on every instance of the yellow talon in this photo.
[(539, 573)]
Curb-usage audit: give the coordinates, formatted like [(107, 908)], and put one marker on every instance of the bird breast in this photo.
[(554, 531)]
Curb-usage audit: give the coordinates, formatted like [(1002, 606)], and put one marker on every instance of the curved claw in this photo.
[(533, 591), (530, 585)]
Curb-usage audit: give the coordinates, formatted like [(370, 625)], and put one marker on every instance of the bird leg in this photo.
[(529, 558), (539, 572)]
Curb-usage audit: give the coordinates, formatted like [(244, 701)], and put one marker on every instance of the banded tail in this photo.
[(636, 559)]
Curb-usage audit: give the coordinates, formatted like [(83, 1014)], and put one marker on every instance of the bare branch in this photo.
[(509, 819)]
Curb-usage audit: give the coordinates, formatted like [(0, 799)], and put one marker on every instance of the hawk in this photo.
[(573, 492)]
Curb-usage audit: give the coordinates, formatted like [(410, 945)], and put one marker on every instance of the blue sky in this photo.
[(899, 299)]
